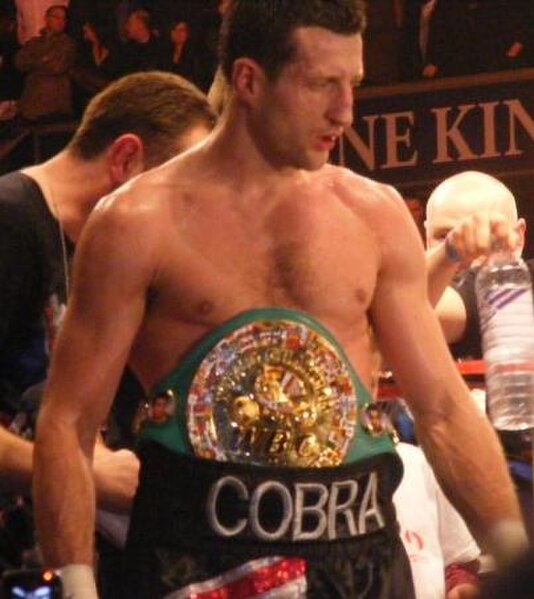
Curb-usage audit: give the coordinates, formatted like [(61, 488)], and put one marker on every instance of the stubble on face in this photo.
[(306, 108)]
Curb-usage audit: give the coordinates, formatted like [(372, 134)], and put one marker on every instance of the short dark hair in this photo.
[(157, 106), (262, 29)]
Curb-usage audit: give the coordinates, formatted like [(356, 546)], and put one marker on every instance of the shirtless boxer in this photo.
[(253, 237)]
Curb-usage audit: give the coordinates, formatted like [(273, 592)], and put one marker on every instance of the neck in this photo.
[(71, 188), (233, 143)]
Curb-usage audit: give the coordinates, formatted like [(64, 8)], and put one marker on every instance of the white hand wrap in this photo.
[(507, 540), (78, 582)]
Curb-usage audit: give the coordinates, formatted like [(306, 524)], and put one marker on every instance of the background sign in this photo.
[(415, 135)]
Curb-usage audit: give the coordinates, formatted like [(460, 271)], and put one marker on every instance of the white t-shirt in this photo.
[(432, 531)]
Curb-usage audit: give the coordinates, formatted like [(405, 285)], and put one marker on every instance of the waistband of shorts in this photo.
[(188, 503)]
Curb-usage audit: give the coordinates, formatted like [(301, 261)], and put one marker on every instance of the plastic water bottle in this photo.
[(504, 296)]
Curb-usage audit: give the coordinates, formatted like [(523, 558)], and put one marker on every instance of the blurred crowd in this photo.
[(424, 39), (56, 54)]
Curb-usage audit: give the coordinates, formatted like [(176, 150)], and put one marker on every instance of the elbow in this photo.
[(58, 433)]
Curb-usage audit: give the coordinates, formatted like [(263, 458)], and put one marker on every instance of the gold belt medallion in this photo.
[(273, 392)]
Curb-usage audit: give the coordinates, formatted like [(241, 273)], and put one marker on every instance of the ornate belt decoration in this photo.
[(273, 392)]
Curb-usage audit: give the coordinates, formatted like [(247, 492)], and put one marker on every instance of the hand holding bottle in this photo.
[(480, 234)]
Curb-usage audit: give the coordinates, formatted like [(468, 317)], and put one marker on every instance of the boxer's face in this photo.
[(303, 112)]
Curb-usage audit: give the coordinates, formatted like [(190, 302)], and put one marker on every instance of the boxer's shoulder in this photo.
[(357, 189), (152, 195)]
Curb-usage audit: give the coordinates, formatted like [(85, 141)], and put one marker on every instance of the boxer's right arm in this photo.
[(111, 274), (459, 442)]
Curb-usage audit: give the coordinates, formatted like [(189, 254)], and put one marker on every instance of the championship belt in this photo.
[(273, 392), (270, 387)]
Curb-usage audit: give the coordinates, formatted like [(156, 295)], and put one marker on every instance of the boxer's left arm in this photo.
[(458, 441)]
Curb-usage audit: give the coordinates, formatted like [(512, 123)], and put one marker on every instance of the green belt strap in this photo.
[(173, 433)]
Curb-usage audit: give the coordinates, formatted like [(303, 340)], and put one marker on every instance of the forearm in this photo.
[(63, 493), (115, 473), (16, 463), (440, 271), (468, 461), (99, 53)]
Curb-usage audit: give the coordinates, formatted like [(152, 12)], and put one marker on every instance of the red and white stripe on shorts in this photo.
[(273, 577)]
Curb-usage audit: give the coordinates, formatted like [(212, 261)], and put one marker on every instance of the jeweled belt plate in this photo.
[(273, 392)]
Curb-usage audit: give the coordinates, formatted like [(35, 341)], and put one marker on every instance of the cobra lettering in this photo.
[(341, 509)]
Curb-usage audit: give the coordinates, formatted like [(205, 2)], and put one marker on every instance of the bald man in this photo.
[(467, 215)]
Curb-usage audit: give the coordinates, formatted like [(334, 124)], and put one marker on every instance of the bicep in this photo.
[(406, 326), (104, 311)]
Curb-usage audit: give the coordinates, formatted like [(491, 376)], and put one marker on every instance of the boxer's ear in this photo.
[(126, 158), (247, 76)]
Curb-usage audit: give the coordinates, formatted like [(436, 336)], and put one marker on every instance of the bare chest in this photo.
[(323, 265), (318, 266)]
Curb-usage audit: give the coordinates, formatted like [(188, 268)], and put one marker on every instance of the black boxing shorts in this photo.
[(208, 530)]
